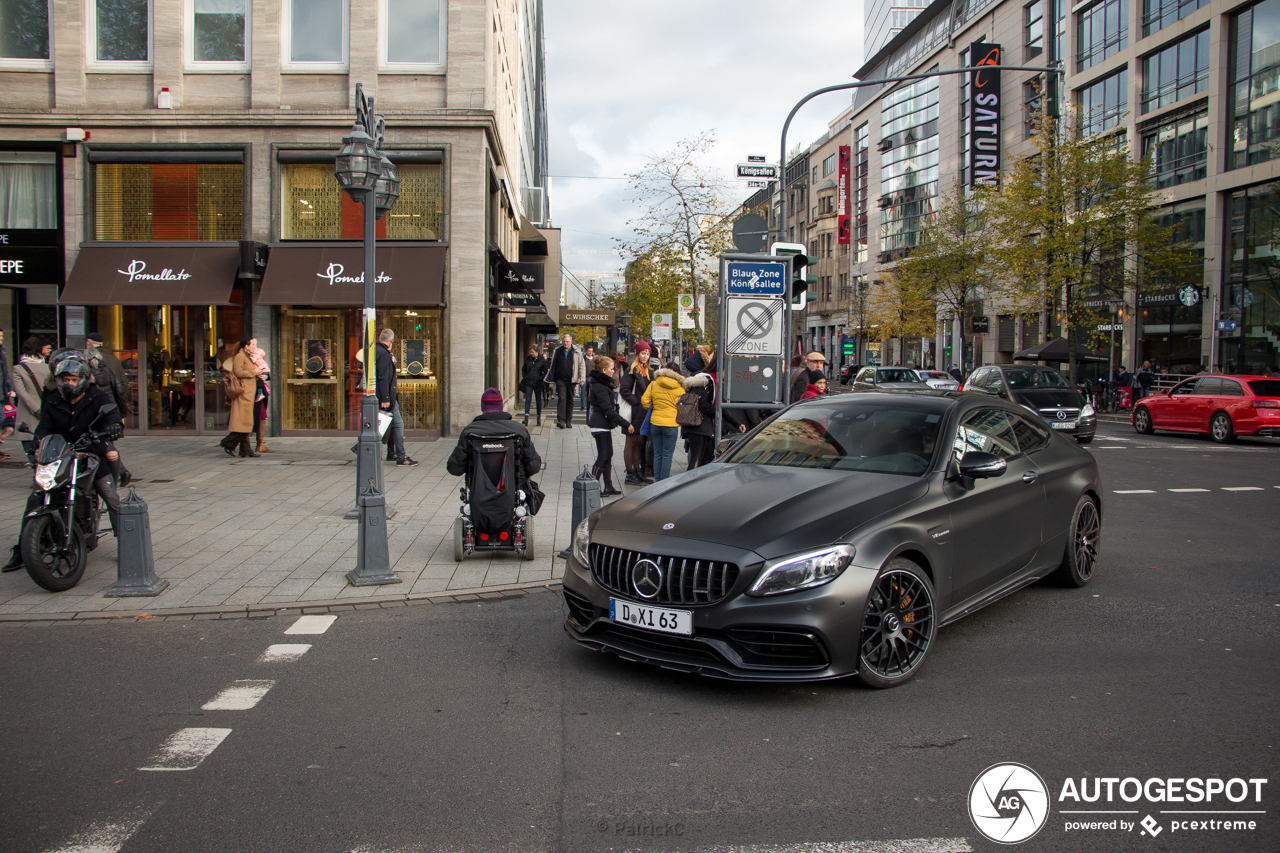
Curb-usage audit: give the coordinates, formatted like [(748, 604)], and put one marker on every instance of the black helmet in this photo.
[(74, 365)]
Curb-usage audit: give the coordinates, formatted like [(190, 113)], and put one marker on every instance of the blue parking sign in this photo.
[(755, 279)]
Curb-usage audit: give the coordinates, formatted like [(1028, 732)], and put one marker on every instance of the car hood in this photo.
[(769, 509), (1044, 398)]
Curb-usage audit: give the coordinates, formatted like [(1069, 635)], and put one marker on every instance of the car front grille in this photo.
[(1052, 414), (773, 647), (651, 642), (684, 581), (580, 606)]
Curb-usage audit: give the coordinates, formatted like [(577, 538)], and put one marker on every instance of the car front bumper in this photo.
[(804, 636)]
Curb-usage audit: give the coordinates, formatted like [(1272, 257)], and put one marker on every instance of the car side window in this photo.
[(1207, 385), (987, 430), (1030, 434), (976, 380), (864, 375), (1187, 387), (1231, 388)]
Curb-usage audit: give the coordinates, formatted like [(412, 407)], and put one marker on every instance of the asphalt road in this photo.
[(481, 727)]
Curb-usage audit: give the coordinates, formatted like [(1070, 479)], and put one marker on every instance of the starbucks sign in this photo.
[(1189, 295)]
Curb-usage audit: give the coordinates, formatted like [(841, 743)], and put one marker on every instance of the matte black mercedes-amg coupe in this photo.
[(836, 539)]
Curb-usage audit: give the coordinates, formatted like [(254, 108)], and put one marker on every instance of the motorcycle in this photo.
[(58, 535)]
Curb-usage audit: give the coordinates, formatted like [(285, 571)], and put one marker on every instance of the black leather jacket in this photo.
[(60, 417)]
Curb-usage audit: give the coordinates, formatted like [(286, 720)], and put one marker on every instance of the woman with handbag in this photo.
[(632, 389), (242, 386), (603, 417), (30, 379), (697, 408)]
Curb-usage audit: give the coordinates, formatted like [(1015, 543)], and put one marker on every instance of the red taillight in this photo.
[(1266, 404), (503, 536)]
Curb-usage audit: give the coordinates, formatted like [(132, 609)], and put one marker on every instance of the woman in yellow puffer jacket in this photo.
[(661, 396)]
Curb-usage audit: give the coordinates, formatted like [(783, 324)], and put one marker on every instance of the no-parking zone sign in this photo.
[(754, 325)]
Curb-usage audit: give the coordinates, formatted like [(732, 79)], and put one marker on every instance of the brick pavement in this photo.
[(245, 535)]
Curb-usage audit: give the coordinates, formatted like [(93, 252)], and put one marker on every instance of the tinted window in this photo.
[(1187, 387), (1208, 385), (1266, 387), (1231, 388), (1034, 377), (987, 430), (848, 437), (1030, 434), (978, 378), (867, 375), (897, 375)]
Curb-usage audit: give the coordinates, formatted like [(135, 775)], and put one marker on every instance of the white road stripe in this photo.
[(186, 748), (313, 624), (107, 836), (284, 652), (1188, 490), (1243, 489), (241, 696), (907, 845), (1135, 491)]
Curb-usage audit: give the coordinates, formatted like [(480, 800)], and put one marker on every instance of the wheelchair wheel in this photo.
[(528, 554), (457, 540)]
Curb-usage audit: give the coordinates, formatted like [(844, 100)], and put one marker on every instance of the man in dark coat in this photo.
[(492, 420), (532, 374), (568, 368), (389, 393)]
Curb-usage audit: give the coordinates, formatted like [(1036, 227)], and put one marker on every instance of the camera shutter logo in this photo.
[(1008, 803)]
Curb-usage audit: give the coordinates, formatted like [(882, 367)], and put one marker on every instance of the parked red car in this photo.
[(1222, 406)]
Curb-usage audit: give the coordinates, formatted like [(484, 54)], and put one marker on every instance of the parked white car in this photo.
[(938, 380)]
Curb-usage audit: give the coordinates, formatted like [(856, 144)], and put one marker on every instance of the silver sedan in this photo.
[(938, 380)]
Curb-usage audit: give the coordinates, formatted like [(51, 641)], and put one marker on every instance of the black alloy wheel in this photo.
[(1083, 539), (47, 564), (897, 626), (1142, 421), (1222, 429)]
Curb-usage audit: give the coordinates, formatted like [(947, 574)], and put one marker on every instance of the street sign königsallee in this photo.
[(755, 279), (757, 171)]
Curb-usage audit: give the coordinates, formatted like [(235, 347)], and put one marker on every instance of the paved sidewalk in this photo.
[(244, 535)]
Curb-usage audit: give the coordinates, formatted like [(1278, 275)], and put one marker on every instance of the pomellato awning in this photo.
[(333, 274), (153, 274)]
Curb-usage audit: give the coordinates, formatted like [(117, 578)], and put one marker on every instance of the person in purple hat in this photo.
[(492, 420)]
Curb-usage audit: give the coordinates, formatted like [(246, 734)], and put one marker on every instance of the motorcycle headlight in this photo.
[(804, 571), (1088, 411), (47, 474), (581, 542)]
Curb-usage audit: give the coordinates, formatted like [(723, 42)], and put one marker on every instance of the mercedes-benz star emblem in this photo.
[(646, 578), (1062, 416)]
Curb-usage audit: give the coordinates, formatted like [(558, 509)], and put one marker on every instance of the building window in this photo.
[(28, 190), (1179, 71), (1032, 106), (1104, 103), (828, 165), (314, 208), (122, 31), (1169, 331), (860, 166), (218, 32), (24, 30), (1250, 292), (1102, 30), (1178, 149), (1255, 77), (1033, 29), (1158, 14), (909, 164), (413, 32), (168, 201), (316, 34)]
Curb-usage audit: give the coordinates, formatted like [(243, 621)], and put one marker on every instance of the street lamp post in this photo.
[(370, 179)]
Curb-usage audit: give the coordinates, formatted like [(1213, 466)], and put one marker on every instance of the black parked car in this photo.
[(835, 539), (1042, 390)]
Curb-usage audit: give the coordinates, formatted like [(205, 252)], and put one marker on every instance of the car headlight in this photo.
[(47, 474), (1088, 411), (804, 571), (581, 542)]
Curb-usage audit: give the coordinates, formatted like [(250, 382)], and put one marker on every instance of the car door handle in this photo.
[(1029, 476)]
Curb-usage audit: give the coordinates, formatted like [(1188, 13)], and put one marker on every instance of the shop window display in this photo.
[(316, 209), (168, 201)]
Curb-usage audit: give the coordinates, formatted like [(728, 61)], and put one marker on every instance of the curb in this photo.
[(336, 605)]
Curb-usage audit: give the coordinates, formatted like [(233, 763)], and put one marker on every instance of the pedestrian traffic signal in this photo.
[(799, 262)]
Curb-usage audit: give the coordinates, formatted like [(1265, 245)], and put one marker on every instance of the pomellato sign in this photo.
[(334, 275), (984, 115), (137, 271)]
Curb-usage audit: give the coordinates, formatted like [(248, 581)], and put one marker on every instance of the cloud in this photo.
[(627, 80)]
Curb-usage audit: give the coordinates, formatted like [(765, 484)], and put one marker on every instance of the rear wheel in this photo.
[(1142, 421), (897, 626), (1222, 429), (42, 540), (457, 540), (1083, 538), (528, 553)]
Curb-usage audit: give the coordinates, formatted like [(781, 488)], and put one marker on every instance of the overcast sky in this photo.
[(626, 80)]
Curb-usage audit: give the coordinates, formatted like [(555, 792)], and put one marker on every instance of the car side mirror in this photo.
[(978, 465), (727, 444)]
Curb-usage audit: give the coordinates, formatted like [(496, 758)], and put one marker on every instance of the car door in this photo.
[(1232, 400), (997, 523), (1199, 405), (1173, 411)]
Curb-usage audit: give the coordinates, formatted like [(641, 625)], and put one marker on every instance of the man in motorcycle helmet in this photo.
[(71, 411)]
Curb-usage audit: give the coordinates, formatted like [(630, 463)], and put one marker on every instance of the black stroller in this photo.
[(498, 502)]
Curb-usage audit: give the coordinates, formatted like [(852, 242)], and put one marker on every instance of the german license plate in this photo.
[(1063, 424), (651, 618)]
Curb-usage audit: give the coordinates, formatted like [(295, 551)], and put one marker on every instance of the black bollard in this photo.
[(586, 500), (135, 564), (373, 559)]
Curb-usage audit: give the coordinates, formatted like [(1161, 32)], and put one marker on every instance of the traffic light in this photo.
[(799, 262)]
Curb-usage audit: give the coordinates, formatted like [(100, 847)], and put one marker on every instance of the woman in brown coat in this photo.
[(242, 404)]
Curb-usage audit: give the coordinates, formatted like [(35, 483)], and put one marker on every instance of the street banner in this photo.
[(984, 116), (662, 327), (684, 313), (842, 198)]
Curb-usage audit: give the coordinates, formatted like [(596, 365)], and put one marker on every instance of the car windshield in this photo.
[(897, 375), (1034, 377), (1266, 387), (867, 436)]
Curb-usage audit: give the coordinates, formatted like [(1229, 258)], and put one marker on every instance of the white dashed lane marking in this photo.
[(241, 696), (107, 836), (1135, 491), (284, 652), (1184, 491), (186, 748), (1243, 489), (313, 624)]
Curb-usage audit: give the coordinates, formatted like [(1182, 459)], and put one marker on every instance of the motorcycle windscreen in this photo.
[(51, 449), (493, 485)]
